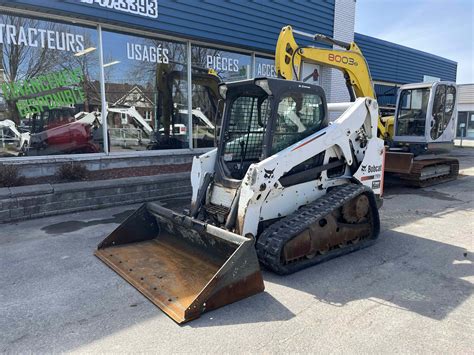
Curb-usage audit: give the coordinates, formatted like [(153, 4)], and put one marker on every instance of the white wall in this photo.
[(344, 18), (465, 95)]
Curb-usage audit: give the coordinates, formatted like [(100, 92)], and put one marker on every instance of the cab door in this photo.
[(443, 111)]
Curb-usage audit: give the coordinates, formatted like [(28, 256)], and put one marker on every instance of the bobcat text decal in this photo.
[(371, 168)]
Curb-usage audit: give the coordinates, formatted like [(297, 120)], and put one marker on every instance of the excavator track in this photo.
[(344, 220), (426, 173)]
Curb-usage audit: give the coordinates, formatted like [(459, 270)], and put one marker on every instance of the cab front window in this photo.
[(411, 113), (299, 115)]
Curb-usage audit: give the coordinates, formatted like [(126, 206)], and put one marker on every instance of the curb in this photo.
[(35, 201)]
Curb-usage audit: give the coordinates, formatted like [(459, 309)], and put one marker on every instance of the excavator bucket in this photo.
[(182, 265)]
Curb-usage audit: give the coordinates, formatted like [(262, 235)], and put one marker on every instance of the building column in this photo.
[(344, 19)]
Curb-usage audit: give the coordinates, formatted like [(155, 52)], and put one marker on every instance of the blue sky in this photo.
[(441, 27)]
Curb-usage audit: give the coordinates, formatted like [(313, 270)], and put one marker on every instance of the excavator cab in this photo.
[(425, 116), (424, 128)]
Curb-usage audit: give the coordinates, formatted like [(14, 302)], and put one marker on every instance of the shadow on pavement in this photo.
[(402, 271), (394, 186), (260, 308), (73, 225), (405, 205)]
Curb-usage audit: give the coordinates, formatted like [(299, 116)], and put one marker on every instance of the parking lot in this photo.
[(410, 292)]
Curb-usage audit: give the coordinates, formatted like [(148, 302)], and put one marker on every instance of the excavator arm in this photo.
[(350, 61)]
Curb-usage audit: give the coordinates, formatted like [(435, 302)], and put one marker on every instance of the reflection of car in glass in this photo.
[(177, 129), (204, 131), (12, 141), (70, 138), (58, 131)]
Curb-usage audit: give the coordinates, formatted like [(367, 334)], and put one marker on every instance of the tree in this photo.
[(21, 62)]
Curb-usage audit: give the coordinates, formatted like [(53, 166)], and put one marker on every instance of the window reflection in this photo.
[(299, 115), (50, 100), (265, 67), (47, 80), (146, 92), (209, 67)]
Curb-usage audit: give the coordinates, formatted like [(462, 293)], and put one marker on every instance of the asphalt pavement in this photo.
[(410, 292)]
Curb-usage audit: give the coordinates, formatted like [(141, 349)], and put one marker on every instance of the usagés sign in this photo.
[(146, 8)]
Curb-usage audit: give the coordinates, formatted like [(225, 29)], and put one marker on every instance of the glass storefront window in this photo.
[(209, 67), (48, 76), (206, 108), (50, 92), (146, 91), (229, 66), (465, 124), (265, 67)]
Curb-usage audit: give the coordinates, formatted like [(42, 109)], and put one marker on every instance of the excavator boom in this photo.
[(350, 61)]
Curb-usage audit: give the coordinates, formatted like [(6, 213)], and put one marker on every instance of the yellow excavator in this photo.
[(422, 129)]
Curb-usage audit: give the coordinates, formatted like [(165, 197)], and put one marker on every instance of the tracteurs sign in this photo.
[(48, 91), (40, 38)]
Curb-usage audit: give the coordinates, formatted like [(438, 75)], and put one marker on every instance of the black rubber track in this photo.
[(272, 240), (414, 178)]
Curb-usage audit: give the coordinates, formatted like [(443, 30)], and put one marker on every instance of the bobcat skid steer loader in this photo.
[(284, 189)]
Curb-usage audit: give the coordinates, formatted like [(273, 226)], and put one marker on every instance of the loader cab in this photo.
[(262, 117), (424, 117)]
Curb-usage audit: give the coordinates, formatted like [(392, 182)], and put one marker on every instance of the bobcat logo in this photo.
[(371, 168), (268, 173)]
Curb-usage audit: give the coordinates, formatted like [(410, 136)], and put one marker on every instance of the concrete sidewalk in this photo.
[(411, 292), (466, 143)]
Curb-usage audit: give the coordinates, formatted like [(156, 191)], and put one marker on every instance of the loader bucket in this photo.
[(182, 265)]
